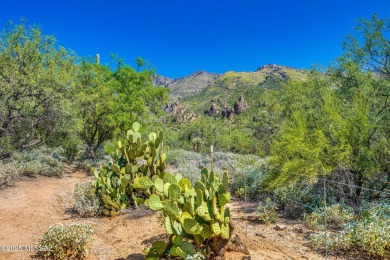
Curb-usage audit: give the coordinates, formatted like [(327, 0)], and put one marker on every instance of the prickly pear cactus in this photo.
[(127, 179), (196, 219)]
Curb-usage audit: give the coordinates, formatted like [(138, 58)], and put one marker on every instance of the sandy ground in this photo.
[(30, 206)]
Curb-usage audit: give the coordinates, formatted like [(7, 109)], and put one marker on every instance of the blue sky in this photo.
[(180, 37)]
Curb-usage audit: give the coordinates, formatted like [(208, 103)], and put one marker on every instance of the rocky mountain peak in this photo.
[(159, 80), (272, 69)]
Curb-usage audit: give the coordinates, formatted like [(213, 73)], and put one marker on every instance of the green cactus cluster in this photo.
[(126, 179), (195, 217)]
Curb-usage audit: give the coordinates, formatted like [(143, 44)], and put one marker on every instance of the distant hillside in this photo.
[(189, 85), (227, 89), (201, 91)]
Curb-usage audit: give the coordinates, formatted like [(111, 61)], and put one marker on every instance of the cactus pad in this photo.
[(191, 226), (224, 198), (142, 183), (225, 231), (159, 184), (174, 192), (188, 248), (177, 240), (154, 202)]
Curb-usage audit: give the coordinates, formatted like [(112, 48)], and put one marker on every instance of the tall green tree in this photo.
[(36, 76), (96, 105), (338, 122), (110, 101)]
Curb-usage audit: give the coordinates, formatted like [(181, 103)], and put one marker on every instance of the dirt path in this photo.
[(29, 207)]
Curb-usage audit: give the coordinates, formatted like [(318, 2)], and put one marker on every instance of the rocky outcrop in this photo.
[(213, 110), (180, 113), (227, 112), (272, 69), (159, 80), (238, 107)]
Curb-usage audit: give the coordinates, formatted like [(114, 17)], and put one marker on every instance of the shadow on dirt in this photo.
[(155, 238), (132, 257)]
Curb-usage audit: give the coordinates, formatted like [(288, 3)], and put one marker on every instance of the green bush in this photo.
[(371, 233), (8, 172), (41, 161), (86, 203), (333, 216), (66, 242), (250, 180), (267, 211)]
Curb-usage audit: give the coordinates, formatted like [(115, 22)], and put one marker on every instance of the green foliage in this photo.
[(86, 203), (65, 242), (370, 233), (36, 82), (251, 180), (333, 216), (127, 178), (233, 136), (111, 101), (267, 211), (46, 98), (370, 50), (197, 144), (326, 131), (41, 161), (337, 123)]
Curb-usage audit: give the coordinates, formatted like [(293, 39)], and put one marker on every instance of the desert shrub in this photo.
[(251, 181), (66, 242), (86, 203), (8, 172), (197, 144), (370, 232), (295, 200), (186, 163), (89, 164), (267, 211), (333, 216), (242, 168), (44, 161)]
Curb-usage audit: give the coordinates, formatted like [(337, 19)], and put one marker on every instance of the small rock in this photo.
[(235, 244), (280, 227), (247, 257)]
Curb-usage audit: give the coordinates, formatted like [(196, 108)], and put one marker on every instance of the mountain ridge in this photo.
[(202, 92)]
